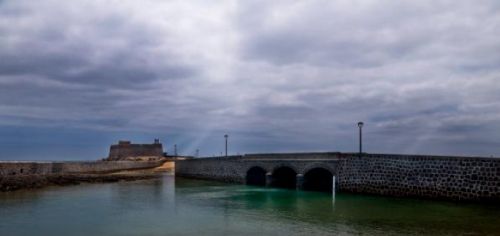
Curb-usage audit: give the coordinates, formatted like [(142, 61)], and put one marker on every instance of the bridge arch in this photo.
[(256, 176), (318, 179), (284, 177)]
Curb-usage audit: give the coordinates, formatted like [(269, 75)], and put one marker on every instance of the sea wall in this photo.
[(437, 177), (44, 168)]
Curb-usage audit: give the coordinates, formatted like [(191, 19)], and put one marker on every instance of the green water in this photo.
[(170, 206)]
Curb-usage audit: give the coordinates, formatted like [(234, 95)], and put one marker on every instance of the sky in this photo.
[(276, 76)]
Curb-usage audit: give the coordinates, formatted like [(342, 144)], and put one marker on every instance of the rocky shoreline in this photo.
[(12, 183)]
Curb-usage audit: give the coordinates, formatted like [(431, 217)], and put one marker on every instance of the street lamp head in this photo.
[(225, 135), (360, 124)]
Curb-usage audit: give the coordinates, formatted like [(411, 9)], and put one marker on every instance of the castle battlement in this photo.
[(126, 149)]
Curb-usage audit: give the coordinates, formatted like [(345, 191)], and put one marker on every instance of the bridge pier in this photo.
[(269, 179), (299, 183)]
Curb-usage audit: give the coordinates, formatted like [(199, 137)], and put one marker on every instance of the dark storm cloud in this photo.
[(76, 64), (76, 67), (413, 70), (331, 33), (97, 48), (277, 76)]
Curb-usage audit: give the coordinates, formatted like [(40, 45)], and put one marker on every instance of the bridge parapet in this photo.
[(293, 156)]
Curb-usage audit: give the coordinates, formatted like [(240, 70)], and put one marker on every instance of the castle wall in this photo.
[(121, 151)]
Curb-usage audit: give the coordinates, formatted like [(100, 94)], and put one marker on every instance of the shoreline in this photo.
[(36, 181), (13, 183)]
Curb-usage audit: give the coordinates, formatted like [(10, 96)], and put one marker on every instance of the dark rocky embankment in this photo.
[(12, 183)]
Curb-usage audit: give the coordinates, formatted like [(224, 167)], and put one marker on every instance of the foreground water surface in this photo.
[(170, 206)]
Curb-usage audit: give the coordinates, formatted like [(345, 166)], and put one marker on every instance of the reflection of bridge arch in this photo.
[(318, 179), (256, 176), (284, 177)]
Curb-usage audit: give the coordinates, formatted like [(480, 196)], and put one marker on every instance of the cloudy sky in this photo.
[(76, 76)]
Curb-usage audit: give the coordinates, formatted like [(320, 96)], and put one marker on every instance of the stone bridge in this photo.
[(312, 171), (444, 177)]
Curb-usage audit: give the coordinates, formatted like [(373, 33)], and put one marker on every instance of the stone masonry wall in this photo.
[(460, 178), (19, 168), (224, 169), (121, 151), (43, 168)]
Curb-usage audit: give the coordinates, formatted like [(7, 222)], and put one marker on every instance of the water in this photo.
[(170, 206)]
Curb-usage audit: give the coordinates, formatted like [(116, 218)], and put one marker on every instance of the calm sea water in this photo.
[(170, 206)]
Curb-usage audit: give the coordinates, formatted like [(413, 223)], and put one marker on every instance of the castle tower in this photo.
[(125, 149)]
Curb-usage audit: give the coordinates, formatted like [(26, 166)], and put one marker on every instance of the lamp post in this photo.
[(360, 125), (226, 136), (175, 149)]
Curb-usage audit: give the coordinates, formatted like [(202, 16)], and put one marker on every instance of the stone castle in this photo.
[(126, 150)]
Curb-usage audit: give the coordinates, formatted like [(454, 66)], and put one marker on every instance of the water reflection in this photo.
[(19, 198), (170, 206), (153, 192), (271, 204), (342, 212)]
